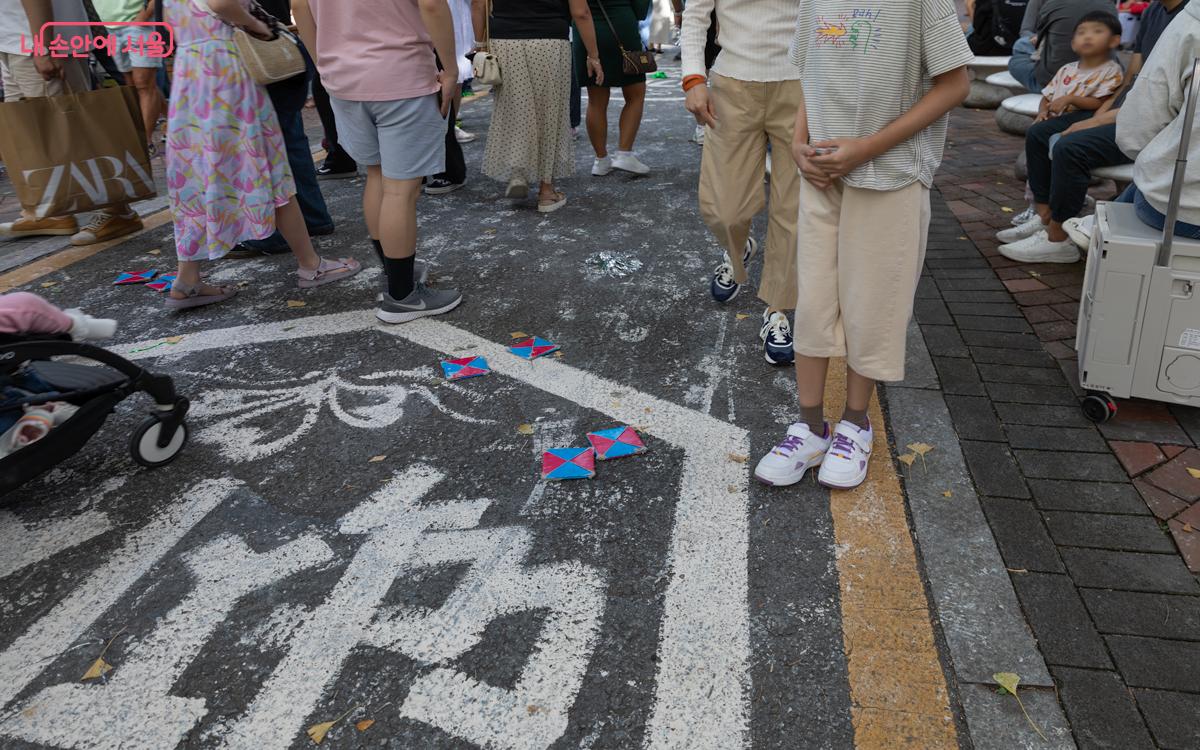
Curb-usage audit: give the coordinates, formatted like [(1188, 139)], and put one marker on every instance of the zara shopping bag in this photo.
[(76, 152)]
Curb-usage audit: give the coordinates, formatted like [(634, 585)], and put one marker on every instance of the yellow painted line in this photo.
[(63, 258), (898, 693)]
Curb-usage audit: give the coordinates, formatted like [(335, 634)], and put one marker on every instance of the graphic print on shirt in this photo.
[(858, 30)]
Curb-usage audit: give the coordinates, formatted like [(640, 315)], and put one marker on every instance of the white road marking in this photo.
[(390, 521), (701, 696), (26, 544), (549, 433), (135, 710), (50, 636), (534, 713)]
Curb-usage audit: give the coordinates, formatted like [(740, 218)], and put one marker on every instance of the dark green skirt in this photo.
[(610, 54)]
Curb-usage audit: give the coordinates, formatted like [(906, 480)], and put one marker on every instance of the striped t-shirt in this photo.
[(863, 63)]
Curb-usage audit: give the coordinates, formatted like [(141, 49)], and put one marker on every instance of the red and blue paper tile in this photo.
[(162, 283), (615, 442), (467, 367), (568, 463), (135, 277), (532, 348)]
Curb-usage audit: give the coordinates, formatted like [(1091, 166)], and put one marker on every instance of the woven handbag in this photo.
[(485, 66)]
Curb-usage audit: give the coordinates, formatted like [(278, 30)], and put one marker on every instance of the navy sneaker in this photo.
[(723, 287), (776, 335)]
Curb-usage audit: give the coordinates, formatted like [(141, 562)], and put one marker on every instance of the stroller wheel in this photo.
[(1098, 407), (144, 443)]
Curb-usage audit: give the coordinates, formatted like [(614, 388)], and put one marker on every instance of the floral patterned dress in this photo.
[(227, 167)]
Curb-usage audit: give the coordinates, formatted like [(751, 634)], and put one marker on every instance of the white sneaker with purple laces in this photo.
[(787, 462), (845, 463)]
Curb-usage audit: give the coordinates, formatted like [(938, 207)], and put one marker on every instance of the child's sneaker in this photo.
[(845, 463), (787, 462), (776, 335), (723, 287), (1024, 216)]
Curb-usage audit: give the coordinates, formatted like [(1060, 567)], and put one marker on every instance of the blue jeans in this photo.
[(304, 172), (1021, 65), (1151, 216)]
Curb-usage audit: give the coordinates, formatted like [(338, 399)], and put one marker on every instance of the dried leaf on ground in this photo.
[(525, 429), (375, 459), (364, 725), (921, 449), (155, 251), (738, 458), (1006, 209), (99, 668), (531, 709), (317, 732), (742, 316), (48, 284), (1187, 528), (172, 339), (296, 303), (907, 458), (1034, 274), (947, 493), (518, 335), (1194, 472), (1008, 681), (558, 355)]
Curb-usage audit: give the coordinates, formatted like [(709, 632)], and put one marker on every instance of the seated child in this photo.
[(25, 314), (1075, 93)]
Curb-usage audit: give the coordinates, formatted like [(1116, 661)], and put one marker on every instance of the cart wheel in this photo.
[(144, 443), (1098, 407)]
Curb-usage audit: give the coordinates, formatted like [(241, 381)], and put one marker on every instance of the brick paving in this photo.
[(1099, 526)]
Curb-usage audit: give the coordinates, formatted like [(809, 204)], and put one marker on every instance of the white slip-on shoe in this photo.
[(602, 166), (1080, 231), (1040, 249), (627, 162), (1028, 229)]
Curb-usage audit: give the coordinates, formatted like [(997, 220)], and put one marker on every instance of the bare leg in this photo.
[(631, 114), (597, 120), (547, 191), (1043, 211), (1055, 231), (150, 99), (187, 274), (290, 223), (810, 380), (397, 218), (859, 390), (373, 199)]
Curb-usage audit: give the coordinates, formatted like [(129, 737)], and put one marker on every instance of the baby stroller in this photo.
[(96, 391)]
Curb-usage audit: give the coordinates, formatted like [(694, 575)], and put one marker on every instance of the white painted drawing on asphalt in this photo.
[(246, 422), (150, 718)]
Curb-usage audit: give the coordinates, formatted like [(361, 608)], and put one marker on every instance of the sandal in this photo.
[(327, 272), (550, 205), (518, 189), (194, 298)]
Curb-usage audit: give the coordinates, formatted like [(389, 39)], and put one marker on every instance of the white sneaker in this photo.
[(1039, 249), (698, 135), (602, 166), (1080, 231), (1024, 216), (845, 463), (463, 136), (626, 161), (1028, 229), (787, 462), (768, 167)]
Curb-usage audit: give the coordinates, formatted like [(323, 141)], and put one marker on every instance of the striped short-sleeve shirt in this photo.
[(863, 63)]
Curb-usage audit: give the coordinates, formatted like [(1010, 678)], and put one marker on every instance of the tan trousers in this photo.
[(859, 258), (731, 176), (22, 81)]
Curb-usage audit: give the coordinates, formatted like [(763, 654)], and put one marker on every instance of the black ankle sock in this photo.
[(399, 276), (856, 417), (814, 417), (378, 250)]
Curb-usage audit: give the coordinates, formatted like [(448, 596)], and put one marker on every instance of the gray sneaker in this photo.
[(422, 303), (420, 270)]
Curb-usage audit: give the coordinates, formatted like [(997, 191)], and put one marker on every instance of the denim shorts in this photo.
[(132, 37), (407, 137)]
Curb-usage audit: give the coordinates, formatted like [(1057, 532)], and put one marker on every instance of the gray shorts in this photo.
[(407, 137)]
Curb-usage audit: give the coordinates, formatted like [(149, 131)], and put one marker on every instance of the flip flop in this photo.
[(328, 272), (560, 200), (194, 298)]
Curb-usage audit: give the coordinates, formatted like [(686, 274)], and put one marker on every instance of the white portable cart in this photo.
[(1139, 317)]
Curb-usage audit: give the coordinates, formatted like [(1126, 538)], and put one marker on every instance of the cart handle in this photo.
[(1189, 119)]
